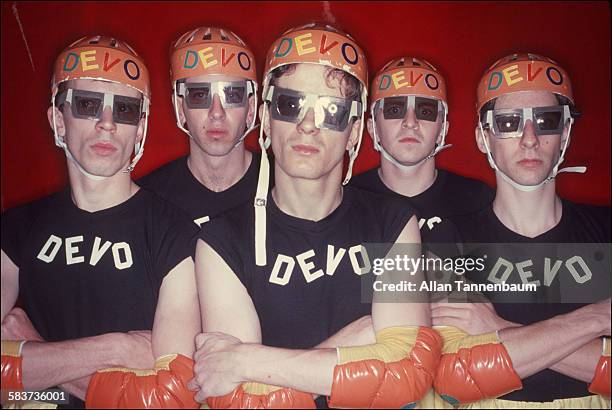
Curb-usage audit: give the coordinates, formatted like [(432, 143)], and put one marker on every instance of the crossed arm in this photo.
[(230, 353), (72, 363)]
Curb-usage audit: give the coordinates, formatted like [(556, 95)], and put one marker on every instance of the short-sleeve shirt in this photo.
[(87, 273), (578, 224), (310, 287)]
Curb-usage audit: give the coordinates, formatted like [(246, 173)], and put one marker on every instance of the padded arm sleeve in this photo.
[(601, 381), (396, 371), (11, 365), (163, 387), (262, 396), (473, 368)]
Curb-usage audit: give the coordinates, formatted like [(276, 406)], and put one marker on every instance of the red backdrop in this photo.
[(460, 38)]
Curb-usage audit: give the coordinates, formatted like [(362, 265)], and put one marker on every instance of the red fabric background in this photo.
[(460, 38)]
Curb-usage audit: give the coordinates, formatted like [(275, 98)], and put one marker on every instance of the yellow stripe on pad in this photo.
[(392, 344), (11, 348), (162, 363), (456, 339)]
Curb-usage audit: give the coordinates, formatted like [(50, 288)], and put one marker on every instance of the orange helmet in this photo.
[(211, 50), (408, 75), (102, 58), (318, 43), (523, 72)]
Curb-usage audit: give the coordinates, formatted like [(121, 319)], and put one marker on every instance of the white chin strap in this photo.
[(138, 147), (251, 89), (261, 196), (378, 146), (551, 176)]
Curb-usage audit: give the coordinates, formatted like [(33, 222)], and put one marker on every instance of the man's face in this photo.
[(528, 159), (100, 145), (301, 149), (408, 139), (215, 130)]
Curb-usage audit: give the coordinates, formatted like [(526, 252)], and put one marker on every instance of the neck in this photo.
[(408, 182), (311, 199), (218, 173), (92, 196), (527, 213)]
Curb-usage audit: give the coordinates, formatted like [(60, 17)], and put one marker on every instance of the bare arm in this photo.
[(536, 347), (46, 365), (177, 316), (305, 370), (227, 308), (10, 284)]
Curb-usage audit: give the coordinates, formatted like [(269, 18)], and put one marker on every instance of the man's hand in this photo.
[(215, 370), (17, 326), (473, 318)]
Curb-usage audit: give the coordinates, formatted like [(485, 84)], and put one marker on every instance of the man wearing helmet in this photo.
[(408, 126), (214, 93), (103, 257), (277, 280), (519, 350)]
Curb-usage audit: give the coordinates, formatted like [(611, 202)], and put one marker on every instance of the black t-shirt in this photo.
[(88, 273), (309, 288), (578, 224), (175, 182), (450, 194)]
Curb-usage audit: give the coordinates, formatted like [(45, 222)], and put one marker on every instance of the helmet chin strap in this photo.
[(378, 146), (261, 195), (553, 172)]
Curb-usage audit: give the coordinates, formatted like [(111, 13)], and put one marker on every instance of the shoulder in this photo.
[(391, 212), (162, 174), (460, 182), (44, 206), (366, 180), (164, 213), (593, 218)]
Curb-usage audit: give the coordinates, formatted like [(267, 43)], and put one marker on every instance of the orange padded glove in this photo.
[(601, 381), (473, 368), (262, 396), (395, 372), (163, 387), (11, 365)]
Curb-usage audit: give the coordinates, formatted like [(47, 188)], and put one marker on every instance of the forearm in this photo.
[(304, 370), (581, 363), (77, 388), (541, 345), (51, 364), (358, 333)]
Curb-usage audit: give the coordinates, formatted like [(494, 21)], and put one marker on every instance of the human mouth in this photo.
[(530, 163), (104, 149), (216, 134), (305, 149), (409, 140)]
